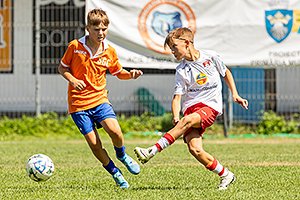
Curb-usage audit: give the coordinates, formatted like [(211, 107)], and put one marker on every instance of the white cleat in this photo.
[(144, 155), (226, 181)]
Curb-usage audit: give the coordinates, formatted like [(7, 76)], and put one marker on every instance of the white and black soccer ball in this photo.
[(39, 167)]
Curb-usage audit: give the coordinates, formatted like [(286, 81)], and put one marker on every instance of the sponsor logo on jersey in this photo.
[(103, 62), (203, 88), (159, 17), (80, 52), (201, 78)]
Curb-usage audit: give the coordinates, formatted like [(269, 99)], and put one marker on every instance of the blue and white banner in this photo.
[(243, 32)]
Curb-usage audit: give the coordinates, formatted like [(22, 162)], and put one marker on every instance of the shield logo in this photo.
[(279, 23), (159, 17), (201, 78), (163, 23)]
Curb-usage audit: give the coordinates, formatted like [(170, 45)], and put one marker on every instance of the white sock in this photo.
[(153, 150)]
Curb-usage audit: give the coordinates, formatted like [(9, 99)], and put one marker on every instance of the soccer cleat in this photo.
[(226, 181), (132, 166), (144, 155), (120, 180)]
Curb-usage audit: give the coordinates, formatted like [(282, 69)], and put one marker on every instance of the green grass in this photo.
[(265, 169)]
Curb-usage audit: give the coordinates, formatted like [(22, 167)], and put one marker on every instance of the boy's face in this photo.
[(179, 48), (97, 33)]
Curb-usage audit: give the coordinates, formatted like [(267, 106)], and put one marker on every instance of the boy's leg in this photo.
[(100, 153), (184, 124), (105, 115), (194, 141), (86, 126), (111, 126), (95, 145)]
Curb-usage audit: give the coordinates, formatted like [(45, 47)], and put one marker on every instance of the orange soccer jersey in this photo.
[(92, 70)]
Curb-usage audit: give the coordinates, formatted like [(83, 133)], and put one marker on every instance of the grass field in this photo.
[(265, 169)]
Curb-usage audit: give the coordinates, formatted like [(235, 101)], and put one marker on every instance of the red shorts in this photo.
[(207, 114)]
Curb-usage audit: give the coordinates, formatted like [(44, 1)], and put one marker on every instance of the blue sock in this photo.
[(111, 168), (120, 151)]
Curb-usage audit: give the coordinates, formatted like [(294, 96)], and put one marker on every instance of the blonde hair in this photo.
[(96, 17), (179, 33)]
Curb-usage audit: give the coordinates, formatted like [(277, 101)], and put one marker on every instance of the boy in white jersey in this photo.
[(198, 80)]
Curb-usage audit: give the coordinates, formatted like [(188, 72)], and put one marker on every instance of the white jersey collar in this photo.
[(82, 40)]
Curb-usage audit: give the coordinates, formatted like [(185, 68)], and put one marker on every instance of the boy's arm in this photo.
[(132, 74), (66, 73), (176, 108), (230, 83)]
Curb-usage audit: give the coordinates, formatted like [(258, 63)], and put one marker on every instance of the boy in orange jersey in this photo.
[(198, 80), (84, 66)]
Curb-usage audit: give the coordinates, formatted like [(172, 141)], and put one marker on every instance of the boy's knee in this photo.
[(116, 137), (116, 134), (196, 150), (186, 121)]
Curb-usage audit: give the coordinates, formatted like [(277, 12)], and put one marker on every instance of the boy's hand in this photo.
[(241, 101), (175, 120), (78, 84), (135, 73)]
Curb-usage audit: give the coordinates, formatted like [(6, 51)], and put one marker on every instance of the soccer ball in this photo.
[(39, 167)]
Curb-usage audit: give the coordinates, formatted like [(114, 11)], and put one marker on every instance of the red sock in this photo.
[(164, 142), (217, 168)]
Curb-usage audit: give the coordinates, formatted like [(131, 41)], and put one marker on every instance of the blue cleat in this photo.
[(132, 166), (120, 180)]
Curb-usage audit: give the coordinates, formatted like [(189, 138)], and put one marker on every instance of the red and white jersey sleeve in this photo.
[(199, 81)]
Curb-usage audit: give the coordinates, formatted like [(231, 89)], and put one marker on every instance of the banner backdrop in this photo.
[(243, 32), (6, 36)]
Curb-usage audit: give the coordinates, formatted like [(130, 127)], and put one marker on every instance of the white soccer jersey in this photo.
[(199, 81)]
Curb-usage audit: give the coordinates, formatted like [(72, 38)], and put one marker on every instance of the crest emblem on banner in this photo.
[(159, 17), (279, 23), (163, 23)]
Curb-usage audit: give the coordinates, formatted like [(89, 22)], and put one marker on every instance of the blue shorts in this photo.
[(86, 120)]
